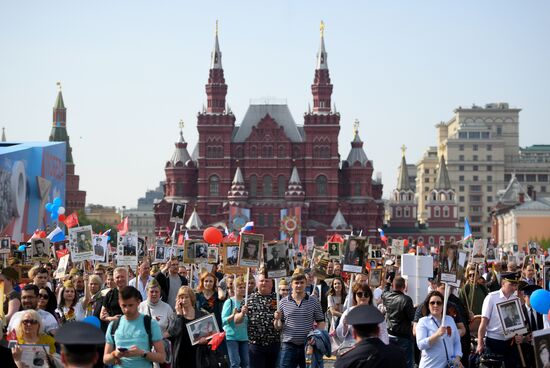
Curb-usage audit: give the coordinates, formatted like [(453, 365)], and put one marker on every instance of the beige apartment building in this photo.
[(481, 145)]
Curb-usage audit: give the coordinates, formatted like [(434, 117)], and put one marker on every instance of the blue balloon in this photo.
[(54, 216), (54, 208), (57, 201), (92, 320), (108, 237), (22, 248), (540, 301), (49, 207)]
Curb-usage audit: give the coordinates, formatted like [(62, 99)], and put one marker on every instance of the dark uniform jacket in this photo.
[(372, 353)]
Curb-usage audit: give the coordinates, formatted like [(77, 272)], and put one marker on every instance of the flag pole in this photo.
[(246, 292)]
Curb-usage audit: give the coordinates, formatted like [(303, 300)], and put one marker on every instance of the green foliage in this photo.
[(97, 226)]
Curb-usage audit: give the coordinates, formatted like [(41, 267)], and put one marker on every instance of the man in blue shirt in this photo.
[(130, 346)]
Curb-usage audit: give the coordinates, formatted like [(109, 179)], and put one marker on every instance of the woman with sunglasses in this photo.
[(70, 308), (438, 340), (44, 298), (473, 288), (362, 295), (30, 331)]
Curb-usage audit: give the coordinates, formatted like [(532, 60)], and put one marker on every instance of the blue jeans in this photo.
[(292, 355), (238, 353), (406, 344), (264, 356)]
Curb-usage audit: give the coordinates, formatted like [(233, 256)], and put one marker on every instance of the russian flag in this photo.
[(56, 235), (382, 236), (248, 227), (107, 232), (467, 230)]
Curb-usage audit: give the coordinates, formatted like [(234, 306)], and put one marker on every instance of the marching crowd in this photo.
[(150, 317)]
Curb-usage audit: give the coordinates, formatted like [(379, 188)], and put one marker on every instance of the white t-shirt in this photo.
[(161, 310), (79, 312), (48, 321), (489, 310)]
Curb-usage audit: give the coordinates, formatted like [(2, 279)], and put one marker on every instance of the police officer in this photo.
[(369, 350), (79, 345)]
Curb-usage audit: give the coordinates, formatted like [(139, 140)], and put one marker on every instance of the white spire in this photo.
[(238, 178), (194, 221), (339, 221), (294, 177), (322, 54), (216, 62)]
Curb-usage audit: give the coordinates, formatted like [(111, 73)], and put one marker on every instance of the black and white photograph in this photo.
[(250, 250), (276, 259), (398, 246), (40, 248), (448, 262), (5, 244), (179, 253), (201, 252), (142, 248), (127, 245), (375, 277), (533, 248), (541, 343), (34, 355), (462, 262), (212, 254), (478, 253), (177, 213), (160, 253), (231, 259), (334, 250), (100, 248), (201, 328), (62, 266), (189, 250), (354, 255), (375, 252), (511, 318), (80, 243), (491, 253)]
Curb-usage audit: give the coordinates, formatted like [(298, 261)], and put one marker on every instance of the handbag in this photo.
[(207, 357)]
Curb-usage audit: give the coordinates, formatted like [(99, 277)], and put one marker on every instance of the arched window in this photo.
[(321, 185), (450, 196), (253, 152), (410, 197), (431, 240), (445, 211), (441, 240), (420, 239), (267, 151), (239, 152), (281, 186), (267, 186), (253, 186), (214, 182), (398, 212), (434, 196), (437, 212), (407, 212), (452, 239), (443, 197), (281, 151)]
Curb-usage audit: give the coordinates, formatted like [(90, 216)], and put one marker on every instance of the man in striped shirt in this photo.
[(295, 317)]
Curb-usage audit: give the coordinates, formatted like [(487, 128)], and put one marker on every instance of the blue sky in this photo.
[(132, 69)]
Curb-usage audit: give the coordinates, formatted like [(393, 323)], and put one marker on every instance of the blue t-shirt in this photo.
[(129, 333)]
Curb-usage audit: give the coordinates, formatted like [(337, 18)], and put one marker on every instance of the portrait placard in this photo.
[(398, 246), (177, 213), (201, 252), (460, 267), (541, 343), (478, 253), (491, 253), (250, 250), (127, 249), (40, 248), (202, 327), (276, 259), (62, 267), (189, 250), (334, 251), (511, 318), (161, 252), (101, 249), (212, 254), (375, 252), (80, 243), (5, 244), (354, 255), (60, 249), (34, 355), (231, 259), (375, 277), (179, 253), (448, 262)]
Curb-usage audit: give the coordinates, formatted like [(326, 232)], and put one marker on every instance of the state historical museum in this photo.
[(268, 169)]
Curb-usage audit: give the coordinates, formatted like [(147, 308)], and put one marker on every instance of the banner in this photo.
[(238, 217), (291, 225)]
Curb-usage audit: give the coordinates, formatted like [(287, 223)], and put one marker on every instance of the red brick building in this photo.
[(75, 199), (268, 163)]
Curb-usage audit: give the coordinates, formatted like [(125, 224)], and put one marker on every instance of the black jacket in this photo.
[(164, 283), (372, 353), (399, 312)]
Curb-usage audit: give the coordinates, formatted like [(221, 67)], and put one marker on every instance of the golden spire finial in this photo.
[(216, 27), (403, 149), (441, 148), (322, 29), (181, 124), (58, 86), (355, 127)]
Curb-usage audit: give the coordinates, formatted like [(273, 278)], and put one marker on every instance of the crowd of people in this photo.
[(166, 315)]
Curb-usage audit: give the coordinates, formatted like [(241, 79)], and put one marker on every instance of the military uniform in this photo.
[(372, 352)]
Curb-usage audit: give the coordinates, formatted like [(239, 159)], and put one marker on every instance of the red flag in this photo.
[(71, 220), (180, 239), (123, 226)]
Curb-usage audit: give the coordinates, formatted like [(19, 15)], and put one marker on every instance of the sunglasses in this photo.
[(29, 322), (361, 294), (471, 275), (44, 296), (436, 303), (284, 289)]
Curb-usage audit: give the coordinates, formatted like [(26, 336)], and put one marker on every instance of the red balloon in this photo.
[(61, 218), (212, 235), (406, 242), (42, 234)]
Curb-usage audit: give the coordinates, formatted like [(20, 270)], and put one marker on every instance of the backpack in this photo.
[(146, 322)]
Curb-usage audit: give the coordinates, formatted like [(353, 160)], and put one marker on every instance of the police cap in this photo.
[(364, 315), (79, 333)]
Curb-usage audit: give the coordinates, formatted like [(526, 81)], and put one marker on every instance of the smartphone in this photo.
[(12, 344), (122, 350)]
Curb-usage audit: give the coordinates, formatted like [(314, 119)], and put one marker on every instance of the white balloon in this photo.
[(61, 210)]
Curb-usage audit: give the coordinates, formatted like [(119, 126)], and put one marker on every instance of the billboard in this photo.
[(31, 175)]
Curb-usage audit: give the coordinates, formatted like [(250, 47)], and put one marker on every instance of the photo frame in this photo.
[(398, 247), (101, 248), (189, 250), (127, 249), (62, 267), (276, 259), (491, 253), (462, 262), (354, 255), (160, 253), (250, 250), (448, 263), (375, 252), (34, 355), (230, 254), (202, 327), (541, 344), (60, 249), (80, 243), (375, 277), (179, 253), (177, 213), (201, 252), (479, 251), (5, 243), (40, 248), (334, 250), (213, 254), (511, 318)]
